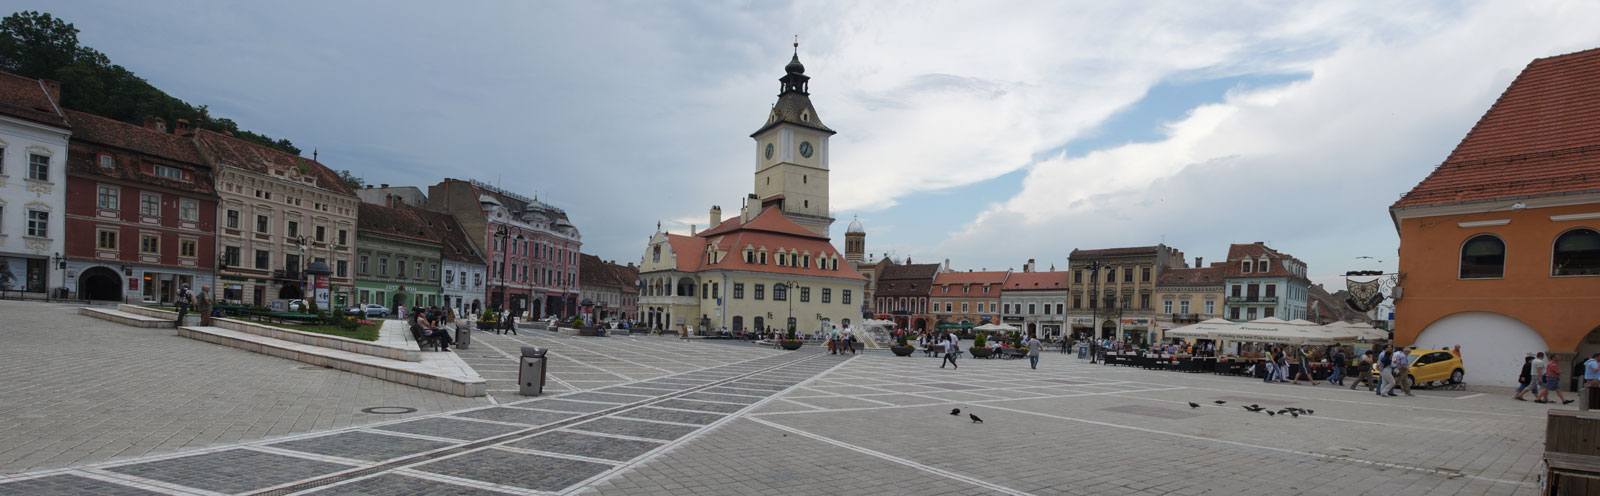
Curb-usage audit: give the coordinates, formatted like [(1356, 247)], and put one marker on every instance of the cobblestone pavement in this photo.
[(579, 363), (809, 423), (79, 389)]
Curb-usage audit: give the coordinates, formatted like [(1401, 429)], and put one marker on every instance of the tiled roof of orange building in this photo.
[(228, 150), (908, 271), (452, 239), (770, 230), (1038, 281), (102, 134), (27, 98), (1541, 137)]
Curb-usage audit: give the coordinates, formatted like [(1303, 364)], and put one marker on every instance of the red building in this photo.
[(141, 211), (531, 248)]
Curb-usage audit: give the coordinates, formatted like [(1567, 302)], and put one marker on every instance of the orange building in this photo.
[(967, 298), (1500, 245)]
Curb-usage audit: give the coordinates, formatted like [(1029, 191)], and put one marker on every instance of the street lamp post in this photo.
[(1094, 267), (788, 288), (503, 235), (61, 266)]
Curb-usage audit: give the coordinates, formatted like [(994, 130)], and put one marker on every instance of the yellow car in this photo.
[(1428, 366), (1436, 365)]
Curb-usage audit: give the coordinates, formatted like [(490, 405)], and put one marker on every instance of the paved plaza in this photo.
[(648, 415)]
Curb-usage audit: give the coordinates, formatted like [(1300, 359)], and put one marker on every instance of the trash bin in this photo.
[(530, 377), (463, 337)]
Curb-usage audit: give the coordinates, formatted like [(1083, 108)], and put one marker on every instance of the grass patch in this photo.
[(364, 333)]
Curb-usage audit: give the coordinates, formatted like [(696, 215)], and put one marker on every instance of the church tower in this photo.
[(855, 243), (792, 154)]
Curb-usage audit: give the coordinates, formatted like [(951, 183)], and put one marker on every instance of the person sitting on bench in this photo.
[(431, 328)]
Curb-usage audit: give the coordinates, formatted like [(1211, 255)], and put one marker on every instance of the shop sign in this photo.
[(1081, 320), (1012, 318), (1136, 322)]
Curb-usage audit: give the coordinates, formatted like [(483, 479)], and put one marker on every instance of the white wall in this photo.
[(1492, 345), (19, 194)]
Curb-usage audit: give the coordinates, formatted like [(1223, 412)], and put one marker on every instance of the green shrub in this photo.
[(489, 316), (311, 307), (901, 342), (790, 336), (981, 341), (577, 322)]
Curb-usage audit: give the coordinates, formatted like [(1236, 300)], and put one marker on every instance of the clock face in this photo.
[(805, 149), (769, 151)]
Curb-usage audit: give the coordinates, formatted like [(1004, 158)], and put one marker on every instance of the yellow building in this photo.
[(772, 266), (1187, 296)]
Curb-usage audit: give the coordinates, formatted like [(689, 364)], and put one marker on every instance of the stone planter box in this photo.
[(902, 350), (981, 352), (791, 345)]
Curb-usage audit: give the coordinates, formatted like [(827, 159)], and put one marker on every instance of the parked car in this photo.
[(1436, 366), (297, 306), (370, 310)]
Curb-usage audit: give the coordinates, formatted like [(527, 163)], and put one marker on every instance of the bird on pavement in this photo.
[(1254, 408), (1220, 402), (955, 412), (1295, 415), (1283, 411), (1194, 405), (975, 419), (1310, 411), (1271, 413)]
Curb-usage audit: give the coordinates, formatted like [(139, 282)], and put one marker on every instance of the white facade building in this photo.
[(33, 184)]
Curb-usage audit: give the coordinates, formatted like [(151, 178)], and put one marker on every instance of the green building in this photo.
[(397, 258)]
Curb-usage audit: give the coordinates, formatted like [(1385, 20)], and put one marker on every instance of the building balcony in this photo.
[(1252, 299)]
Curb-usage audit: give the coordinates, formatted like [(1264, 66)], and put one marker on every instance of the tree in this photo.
[(351, 180), (39, 45)]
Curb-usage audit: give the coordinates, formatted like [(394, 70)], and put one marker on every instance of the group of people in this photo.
[(1548, 378), (201, 303), (432, 321)]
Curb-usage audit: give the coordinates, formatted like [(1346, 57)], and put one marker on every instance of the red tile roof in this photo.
[(130, 146), (452, 239), (1108, 252), (393, 222), (769, 229), (1275, 268), (228, 150), (1038, 281), (1203, 276), (31, 99), (974, 278), (1541, 137)]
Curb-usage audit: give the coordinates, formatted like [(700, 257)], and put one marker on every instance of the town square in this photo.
[(960, 248)]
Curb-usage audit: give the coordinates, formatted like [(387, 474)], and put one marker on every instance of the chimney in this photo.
[(692, 230), (385, 186), (716, 216), (156, 123), (369, 186), (184, 129), (1199, 262), (1028, 267), (52, 87)]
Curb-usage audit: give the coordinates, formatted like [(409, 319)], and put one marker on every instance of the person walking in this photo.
[(1033, 351), (1538, 374), (1552, 381), (1339, 362), (1386, 371), (1402, 370), (1525, 379), (1591, 371), (949, 351), (1304, 356), (1363, 371)]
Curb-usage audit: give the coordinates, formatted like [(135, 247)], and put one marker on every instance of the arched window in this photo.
[(1577, 253), (1483, 256)]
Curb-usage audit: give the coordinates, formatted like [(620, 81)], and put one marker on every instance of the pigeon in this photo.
[(1310, 411), (1220, 402), (1254, 408), (1271, 413), (975, 419), (955, 412), (1283, 411), (1194, 405), (1295, 415)]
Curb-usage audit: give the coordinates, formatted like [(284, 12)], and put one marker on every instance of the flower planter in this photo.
[(902, 350), (791, 345), (981, 352)]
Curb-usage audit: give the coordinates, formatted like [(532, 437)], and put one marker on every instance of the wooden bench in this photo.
[(424, 340)]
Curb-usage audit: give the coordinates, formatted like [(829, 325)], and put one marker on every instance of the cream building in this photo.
[(1186, 296), (773, 266)]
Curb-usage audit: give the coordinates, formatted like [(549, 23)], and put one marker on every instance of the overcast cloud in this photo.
[(981, 132)]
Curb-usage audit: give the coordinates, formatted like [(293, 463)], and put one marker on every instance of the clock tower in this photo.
[(792, 154)]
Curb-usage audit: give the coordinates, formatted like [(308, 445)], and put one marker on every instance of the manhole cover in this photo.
[(388, 410)]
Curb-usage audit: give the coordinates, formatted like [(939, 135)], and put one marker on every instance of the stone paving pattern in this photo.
[(878, 424)]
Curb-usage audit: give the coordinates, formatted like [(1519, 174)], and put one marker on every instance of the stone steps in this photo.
[(129, 319), (168, 315), (442, 371)]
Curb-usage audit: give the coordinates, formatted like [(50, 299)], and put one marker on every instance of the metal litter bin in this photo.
[(463, 336), (530, 377)]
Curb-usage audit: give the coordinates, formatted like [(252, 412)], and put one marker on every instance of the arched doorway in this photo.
[(738, 323), (1491, 343), (100, 283), (826, 326), (1108, 330), (1033, 330), (538, 308), (920, 325), (760, 324), (396, 301)]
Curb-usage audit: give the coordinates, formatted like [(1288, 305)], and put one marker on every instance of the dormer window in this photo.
[(1262, 265), (783, 259), (1246, 266), (107, 161)]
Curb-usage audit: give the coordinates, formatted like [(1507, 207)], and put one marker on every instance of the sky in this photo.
[(987, 133)]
